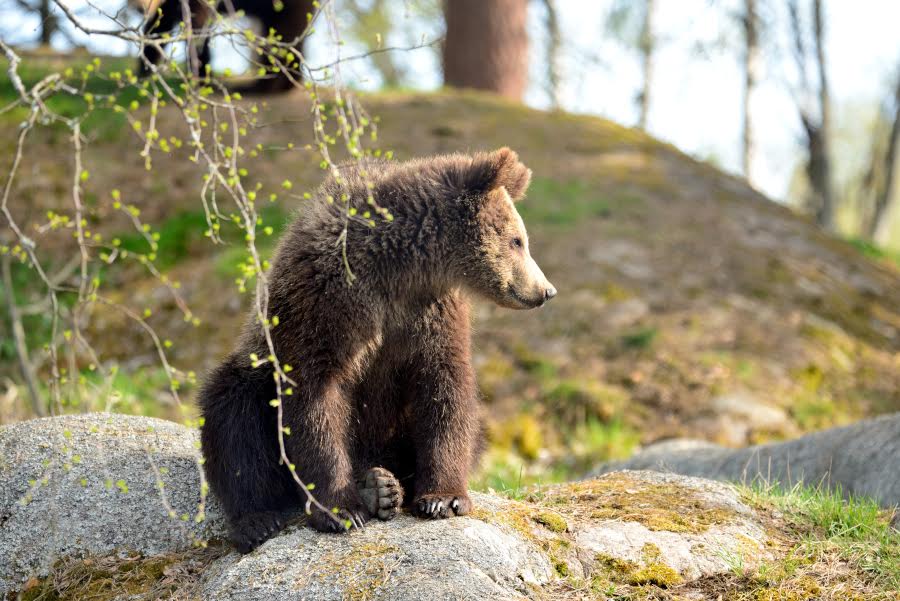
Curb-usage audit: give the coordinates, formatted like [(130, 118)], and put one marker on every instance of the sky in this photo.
[(696, 97)]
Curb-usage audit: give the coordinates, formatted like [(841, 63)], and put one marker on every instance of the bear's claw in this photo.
[(345, 521), (381, 492), (252, 530), (441, 506)]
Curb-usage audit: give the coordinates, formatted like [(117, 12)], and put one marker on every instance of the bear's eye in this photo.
[(517, 242)]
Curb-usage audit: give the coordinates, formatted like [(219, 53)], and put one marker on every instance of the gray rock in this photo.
[(505, 549), (751, 411), (87, 484), (733, 418), (406, 559), (693, 554), (862, 458)]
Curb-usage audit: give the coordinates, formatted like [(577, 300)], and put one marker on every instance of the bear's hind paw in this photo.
[(253, 529), (381, 492), (439, 506)]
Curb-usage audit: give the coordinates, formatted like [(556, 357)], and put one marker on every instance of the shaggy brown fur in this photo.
[(385, 375), (163, 16)]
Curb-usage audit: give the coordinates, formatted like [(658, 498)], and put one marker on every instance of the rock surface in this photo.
[(88, 484), (863, 459), (635, 527)]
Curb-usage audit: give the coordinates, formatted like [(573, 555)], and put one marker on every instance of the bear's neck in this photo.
[(414, 253)]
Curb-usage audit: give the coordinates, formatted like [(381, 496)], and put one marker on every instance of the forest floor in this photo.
[(689, 304)]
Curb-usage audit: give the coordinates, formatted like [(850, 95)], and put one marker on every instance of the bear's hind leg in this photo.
[(381, 492), (253, 529), (240, 446)]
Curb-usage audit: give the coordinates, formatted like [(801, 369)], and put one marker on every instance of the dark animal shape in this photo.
[(385, 375), (288, 19)]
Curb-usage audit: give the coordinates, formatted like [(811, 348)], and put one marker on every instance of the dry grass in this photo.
[(173, 577)]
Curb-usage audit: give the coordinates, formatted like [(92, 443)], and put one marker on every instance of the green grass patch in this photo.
[(144, 391), (567, 203), (180, 234), (857, 529), (513, 477), (95, 88), (873, 251), (640, 339), (596, 441), (28, 287)]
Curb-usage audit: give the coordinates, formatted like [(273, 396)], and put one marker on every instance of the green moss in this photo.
[(614, 568), (667, 507), (803, 588), (552, 521), (516, 516), (657, 574), (654, 572)]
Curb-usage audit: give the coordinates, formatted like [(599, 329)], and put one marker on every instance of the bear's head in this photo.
[(502, 268)]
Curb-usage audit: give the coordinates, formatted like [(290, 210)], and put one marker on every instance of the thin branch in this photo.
[(21, 345)]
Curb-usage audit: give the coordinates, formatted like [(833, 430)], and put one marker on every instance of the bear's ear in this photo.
[(509, 173), (490, 171)]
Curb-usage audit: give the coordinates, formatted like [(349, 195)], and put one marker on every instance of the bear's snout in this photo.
[(550, 292)]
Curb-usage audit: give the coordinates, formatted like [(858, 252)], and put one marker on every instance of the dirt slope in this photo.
[(689, 304)]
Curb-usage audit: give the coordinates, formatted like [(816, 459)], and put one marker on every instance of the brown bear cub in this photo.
[(385, 406)]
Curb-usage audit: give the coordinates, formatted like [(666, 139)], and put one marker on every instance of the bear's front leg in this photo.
[(445, 406), (318, 445)]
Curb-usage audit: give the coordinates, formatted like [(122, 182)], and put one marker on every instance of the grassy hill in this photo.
[(689, 304)]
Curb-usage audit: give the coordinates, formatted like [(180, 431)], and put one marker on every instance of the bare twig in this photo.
[(18, 331)]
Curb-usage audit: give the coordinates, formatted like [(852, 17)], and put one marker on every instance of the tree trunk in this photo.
[(822, 163), (646, 45), (878, 230), (554, 42), (751, 76), (486, 47), (48, 22)]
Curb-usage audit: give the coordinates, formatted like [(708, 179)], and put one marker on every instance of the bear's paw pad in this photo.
[(381, 492)]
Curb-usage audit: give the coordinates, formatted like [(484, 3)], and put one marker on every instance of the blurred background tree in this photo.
[(632, 24), (605, 58), (687, 294), (486, 46)]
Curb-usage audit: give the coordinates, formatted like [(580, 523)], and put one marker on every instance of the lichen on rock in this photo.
[(644, 530)]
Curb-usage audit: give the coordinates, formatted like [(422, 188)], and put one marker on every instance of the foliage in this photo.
[(855, 529), (68, 267)]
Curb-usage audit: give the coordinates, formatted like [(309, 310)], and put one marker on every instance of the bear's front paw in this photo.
[(252, 530), (437, 506), (350, 515), (381, 492)]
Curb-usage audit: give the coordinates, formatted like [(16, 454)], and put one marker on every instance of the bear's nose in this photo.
[(549, 293)]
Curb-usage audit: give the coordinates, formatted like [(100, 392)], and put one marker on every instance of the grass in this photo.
[(640, 339), (88, 77), (855, 530), (567, 203), (144, 391), (180, 233), (518, 458), (873, 251)]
